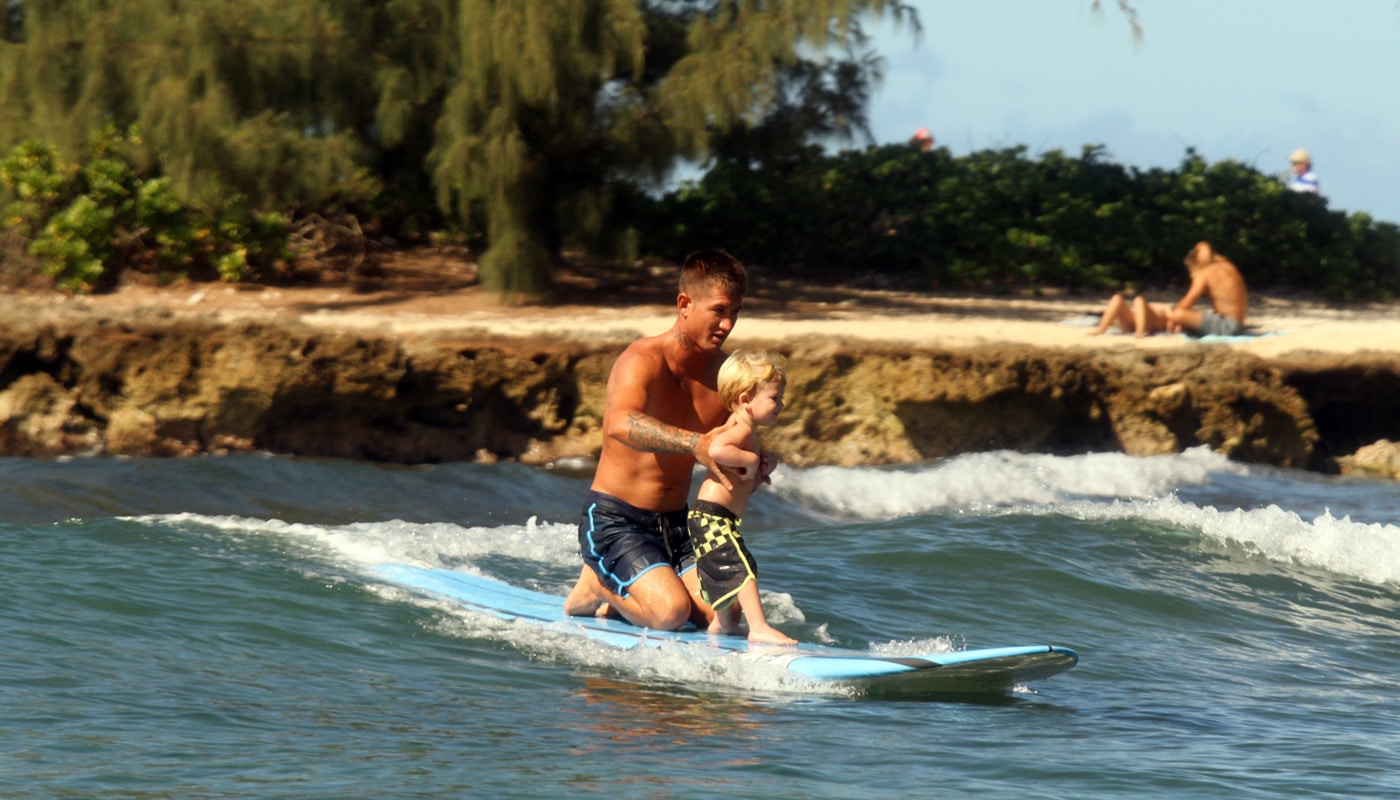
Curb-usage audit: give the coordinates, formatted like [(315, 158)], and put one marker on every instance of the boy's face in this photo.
[(767, 402)]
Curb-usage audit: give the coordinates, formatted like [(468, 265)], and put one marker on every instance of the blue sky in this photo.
[(1249, 80)]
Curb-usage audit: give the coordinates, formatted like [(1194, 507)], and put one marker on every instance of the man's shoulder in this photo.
[(644, 360), (647, 348), (1222, 267)]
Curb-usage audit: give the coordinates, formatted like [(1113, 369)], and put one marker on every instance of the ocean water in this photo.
[(208, 628)]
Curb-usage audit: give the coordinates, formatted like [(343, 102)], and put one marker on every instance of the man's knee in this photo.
[(674, 616), (661, 613), (661, 601), (1178, 317)]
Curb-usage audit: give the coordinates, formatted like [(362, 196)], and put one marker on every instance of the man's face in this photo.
[(709, 315), (1299, 167)]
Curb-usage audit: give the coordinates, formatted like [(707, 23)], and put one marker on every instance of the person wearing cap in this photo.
[(1303, 178), (922, 139)]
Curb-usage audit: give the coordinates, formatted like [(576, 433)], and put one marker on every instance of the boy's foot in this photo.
[(770, 636)]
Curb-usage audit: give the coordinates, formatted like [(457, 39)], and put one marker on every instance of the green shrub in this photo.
[(998, 219), (89, 222)]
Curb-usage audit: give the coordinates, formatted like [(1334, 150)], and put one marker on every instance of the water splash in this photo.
[(984, 482)]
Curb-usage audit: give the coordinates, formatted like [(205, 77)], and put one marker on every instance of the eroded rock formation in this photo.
[(157, 385)]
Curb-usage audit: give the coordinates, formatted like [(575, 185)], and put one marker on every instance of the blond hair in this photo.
[(746, 371)]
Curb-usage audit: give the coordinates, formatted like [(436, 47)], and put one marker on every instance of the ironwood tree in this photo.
[(523, 114)]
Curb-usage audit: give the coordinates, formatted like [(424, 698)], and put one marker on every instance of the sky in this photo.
[(1249, 80)]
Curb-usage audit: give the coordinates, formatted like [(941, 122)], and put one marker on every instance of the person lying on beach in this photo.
[(1211, 274), (751, 385)]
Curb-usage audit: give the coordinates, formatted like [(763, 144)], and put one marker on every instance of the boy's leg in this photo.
[(701, 613), (759, 629)]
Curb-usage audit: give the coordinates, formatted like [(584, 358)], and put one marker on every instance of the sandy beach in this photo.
[(1283, 325), (888, 376)]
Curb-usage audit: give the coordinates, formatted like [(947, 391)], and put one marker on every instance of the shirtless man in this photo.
[(1211, 274), (662, 392)]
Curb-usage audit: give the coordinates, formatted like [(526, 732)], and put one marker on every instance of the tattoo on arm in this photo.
[(650, 435)]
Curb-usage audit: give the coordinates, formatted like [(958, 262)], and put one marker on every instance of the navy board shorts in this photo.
[(621, 542)]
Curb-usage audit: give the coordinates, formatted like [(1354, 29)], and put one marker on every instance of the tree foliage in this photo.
[(516, 117), (1002, 219)]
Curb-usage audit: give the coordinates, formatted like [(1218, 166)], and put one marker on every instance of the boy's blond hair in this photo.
[(746, 371)]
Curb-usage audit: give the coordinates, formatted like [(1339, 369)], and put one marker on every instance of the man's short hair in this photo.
[(713, 268)]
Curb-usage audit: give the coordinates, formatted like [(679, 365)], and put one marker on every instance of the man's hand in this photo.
[(767, 462)]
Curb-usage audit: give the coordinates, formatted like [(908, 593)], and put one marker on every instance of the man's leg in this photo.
[(658, 599), (588, 597), (1187, 320)]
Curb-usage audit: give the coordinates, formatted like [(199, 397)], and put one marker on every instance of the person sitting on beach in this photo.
[(1211, 274), (751, 384)]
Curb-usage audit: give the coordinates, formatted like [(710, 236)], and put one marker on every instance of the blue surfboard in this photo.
[(968, 671)]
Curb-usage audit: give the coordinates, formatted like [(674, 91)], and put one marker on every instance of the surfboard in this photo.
[(998, 669)]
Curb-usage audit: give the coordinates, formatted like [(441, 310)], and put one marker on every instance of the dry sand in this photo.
[(852, 316)]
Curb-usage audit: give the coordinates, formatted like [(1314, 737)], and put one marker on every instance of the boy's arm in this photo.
[(729, 448)]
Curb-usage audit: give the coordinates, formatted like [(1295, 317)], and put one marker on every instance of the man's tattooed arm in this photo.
[(652, 436)]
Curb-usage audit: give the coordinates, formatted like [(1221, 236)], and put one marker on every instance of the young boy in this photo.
[(751, 385)]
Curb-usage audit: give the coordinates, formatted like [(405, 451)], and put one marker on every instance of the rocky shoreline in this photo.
[(175, 380)]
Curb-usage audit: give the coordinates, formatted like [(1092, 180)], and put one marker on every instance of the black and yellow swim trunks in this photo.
[(721, 557)]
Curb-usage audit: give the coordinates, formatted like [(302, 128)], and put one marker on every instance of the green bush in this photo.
[(998, 219), (89, 222)]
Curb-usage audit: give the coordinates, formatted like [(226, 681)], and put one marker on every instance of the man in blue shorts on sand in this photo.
[(662, 411), (1213, 276)]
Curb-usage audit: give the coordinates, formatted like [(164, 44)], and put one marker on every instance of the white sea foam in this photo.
[(1366, 551), (1107, 486), (361, 544), (1100, 487), (981, 482)]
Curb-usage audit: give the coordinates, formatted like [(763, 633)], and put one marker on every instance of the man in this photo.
[(1303, 178), (661, 394), (1214, 275), (1211, 274)]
